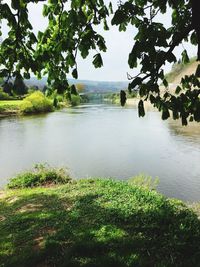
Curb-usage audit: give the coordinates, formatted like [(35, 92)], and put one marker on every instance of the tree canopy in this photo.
[(72, 29)]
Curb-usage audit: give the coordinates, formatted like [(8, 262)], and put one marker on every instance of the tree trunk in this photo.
[(196, 22)]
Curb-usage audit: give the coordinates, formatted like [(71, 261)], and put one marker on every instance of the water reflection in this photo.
[(191, 132)]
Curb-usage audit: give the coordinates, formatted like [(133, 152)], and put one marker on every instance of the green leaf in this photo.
[(97, 62), (111, 7), (165, 83), (75, 74), (184, 120), (106, 28), (122, 97), (175, 114), (119, 17), (165, 113), (132, 60), (185, 58), (27, 75), (141, 111), (178, 90)]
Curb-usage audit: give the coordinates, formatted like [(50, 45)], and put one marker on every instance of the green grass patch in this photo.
[(40, 175), (96, 223), (10, 104)]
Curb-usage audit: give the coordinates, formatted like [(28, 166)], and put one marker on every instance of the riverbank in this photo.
[(9, 108), (133, 102), (34, 103), (96, 222)]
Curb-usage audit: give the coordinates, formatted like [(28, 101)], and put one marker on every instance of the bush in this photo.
[(41, 175), (27, 107), (36, 103), (60, 98), (144, 181), (75, 100), (4, 96)]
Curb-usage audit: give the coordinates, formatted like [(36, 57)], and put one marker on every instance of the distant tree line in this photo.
[(15, 88)]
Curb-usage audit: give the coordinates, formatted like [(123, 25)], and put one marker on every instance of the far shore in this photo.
[(134, 103)]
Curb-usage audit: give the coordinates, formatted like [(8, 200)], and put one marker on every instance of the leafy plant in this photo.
[(40, 175), (75, 100), (145, 181), (36, 103)]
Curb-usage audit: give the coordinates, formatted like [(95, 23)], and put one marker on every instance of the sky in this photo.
[(119, 45)]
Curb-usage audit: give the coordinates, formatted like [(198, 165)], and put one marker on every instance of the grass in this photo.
[(96, 222), (10, 102), (10, 107)]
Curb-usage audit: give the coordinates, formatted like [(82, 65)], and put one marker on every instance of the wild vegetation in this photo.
[(36, 103), (94, 222), (9, 107), (40, 175), (33, 103), (35, 99)]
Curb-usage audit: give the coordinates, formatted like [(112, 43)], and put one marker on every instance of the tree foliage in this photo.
[(19, 87), (72, 30)]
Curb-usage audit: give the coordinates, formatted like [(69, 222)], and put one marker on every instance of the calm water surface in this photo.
[(105, 141)]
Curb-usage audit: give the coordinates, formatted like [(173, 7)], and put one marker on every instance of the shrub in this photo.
[(144, 181), (75, 100), (41, 175), (3, 95), (36, 103), (27, 107), (60, 98)]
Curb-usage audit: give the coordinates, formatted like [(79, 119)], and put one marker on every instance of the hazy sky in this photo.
[(119, 45)]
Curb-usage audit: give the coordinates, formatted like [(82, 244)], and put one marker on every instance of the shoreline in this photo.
[(134, 102)]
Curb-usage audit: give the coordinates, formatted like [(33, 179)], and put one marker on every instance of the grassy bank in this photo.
[(32, 104), (10, 107), (95, 222)]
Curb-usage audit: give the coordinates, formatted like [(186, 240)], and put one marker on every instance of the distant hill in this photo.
[(90, 86)]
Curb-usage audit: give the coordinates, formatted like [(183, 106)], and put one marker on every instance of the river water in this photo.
[(105, 141)]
